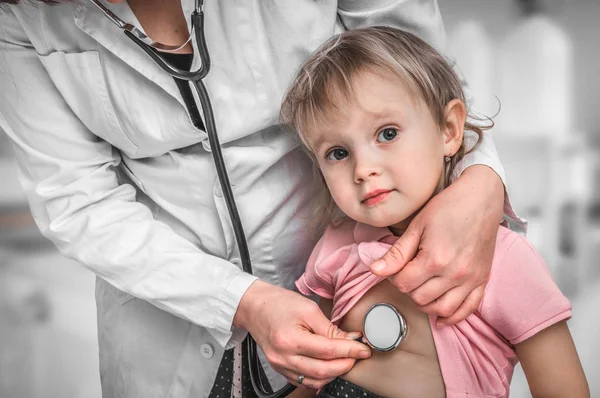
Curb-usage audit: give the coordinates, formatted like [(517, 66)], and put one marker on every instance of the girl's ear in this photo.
[(456, 114)]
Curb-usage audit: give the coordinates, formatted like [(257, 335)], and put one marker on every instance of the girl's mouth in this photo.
[(376, 196)]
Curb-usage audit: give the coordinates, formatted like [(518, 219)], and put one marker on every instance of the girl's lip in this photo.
[(375, 197)]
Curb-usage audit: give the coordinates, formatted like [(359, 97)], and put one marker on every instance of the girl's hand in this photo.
[(443, 259), (296, 337)]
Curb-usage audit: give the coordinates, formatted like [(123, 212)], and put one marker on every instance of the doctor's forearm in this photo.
[(484, 183)]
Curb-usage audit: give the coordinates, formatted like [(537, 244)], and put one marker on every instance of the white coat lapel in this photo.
[(90, 20)]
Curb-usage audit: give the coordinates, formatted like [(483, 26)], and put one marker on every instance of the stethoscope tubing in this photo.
[(195, 79)]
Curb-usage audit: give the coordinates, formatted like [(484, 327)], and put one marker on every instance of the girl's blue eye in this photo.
[(387, 134), (337, 154)]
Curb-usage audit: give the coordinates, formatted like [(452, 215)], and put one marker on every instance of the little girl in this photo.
[(383, 115)]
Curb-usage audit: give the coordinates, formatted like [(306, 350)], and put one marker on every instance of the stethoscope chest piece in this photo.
[(384, 327)]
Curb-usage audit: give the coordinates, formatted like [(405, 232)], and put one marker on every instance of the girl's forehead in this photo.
[(381, 81), (375, 91), (374, 94)]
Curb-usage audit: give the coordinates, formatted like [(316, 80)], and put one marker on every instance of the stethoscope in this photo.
[(384, 326)]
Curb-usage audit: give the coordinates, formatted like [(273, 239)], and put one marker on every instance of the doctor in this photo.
[(119, 179)]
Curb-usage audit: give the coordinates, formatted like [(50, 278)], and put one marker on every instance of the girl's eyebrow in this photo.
[(377, 120), (316, 144), (385, 113), (319, 141)]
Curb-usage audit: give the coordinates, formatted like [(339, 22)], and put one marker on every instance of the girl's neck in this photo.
[(401, 227)]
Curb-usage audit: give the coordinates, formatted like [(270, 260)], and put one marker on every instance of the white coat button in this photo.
[(206, 351)]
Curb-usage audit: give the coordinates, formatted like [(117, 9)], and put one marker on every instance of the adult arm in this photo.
[(69, 176), (444, 258)]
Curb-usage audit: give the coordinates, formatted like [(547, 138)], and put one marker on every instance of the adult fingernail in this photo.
[(364, 354), (354, 335), (378, 265)]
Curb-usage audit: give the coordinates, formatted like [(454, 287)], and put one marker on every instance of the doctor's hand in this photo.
[(295, 336), (443, 259)]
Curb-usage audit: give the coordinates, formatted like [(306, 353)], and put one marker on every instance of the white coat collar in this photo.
[(91, 21)]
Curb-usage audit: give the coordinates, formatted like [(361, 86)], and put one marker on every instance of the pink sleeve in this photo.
[(329, 254), (319, 273), (309, 283), (521, 298)]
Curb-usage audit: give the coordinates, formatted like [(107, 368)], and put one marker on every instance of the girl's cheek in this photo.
[(335, 185), (331, 184)]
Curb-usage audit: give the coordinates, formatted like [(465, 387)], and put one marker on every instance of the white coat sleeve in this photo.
[(423, 18), (69, 177)]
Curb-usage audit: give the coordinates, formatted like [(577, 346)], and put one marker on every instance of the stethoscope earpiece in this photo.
[(384, 327)]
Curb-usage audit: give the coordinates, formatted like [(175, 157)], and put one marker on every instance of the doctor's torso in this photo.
[(122, 97)]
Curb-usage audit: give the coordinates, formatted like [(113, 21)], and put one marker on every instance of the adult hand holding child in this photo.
[(443, 259)]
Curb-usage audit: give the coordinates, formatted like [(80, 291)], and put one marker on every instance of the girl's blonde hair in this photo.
[(324, 83)]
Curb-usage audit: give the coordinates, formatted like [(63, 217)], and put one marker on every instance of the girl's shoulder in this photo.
[(521, 296), (513, 249)]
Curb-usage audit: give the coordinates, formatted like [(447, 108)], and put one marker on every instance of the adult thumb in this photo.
[(324, 327), (400, 254)]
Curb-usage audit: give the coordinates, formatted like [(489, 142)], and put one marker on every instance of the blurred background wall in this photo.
[(535, 65), (538, 61)]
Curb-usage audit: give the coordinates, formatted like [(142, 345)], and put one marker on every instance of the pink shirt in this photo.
[(477, 356)]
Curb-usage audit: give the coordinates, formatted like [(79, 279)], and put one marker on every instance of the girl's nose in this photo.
[(365, 169)]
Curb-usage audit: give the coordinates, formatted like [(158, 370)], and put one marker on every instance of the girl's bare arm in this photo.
[(551, 364)]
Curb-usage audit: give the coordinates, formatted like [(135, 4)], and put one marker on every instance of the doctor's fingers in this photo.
[(455, 305), (323, 348), (316, 372), (431, 290), (420, 270)]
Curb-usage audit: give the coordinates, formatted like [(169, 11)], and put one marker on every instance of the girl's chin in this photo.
[(382, 218), (376, 223), (397, 224)]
